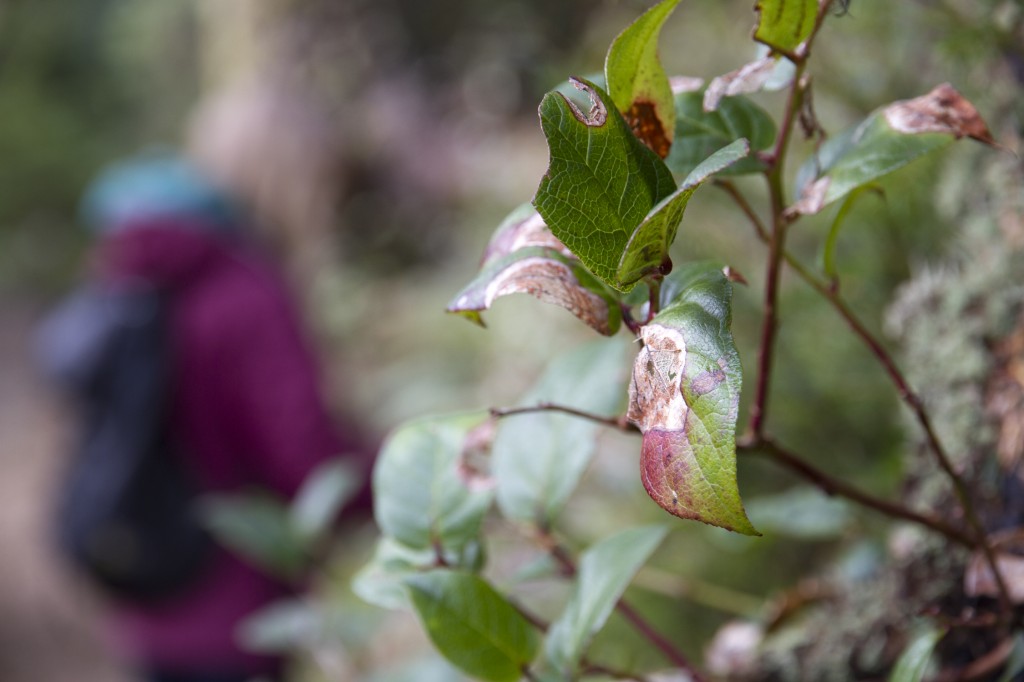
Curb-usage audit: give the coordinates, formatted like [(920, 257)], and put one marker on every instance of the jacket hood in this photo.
[(161, 252)]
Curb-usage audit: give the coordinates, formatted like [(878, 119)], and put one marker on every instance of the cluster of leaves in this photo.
[(625, 160)]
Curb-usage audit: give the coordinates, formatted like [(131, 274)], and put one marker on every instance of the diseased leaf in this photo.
[(472, 625), (684, 397), (887, 140), (521, 228), (647, 249), (605, 571), (420, 499), (601, 181), (539, 458), (913, 662), (749, 78), (547, 275), (637, 82), (784, 25), (700, 133)]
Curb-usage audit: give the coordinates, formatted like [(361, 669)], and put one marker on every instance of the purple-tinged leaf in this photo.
[(684, 397)]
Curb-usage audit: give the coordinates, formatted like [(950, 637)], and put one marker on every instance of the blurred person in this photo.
[(243, 407)]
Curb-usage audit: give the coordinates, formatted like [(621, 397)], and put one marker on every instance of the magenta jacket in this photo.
[(246, 409)]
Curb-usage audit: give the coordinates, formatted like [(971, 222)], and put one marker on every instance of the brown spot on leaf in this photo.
[(943, 110), (473, 466), (812, 199), (655, 399), (597, 115), (706, 382), (734, 275), (646, 125)]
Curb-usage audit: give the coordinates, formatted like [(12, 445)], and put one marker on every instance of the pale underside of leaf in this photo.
[(547, 276), (747, 79), (522, 228)]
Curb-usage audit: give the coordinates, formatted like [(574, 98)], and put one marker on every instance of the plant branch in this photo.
[(832, 486), (916, 405), (619, 423), (669, 650), (906, 393)]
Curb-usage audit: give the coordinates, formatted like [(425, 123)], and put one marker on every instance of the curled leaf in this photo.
[(885, 141), (601, 181), (943, 110), (548, 276), (524, 257), (751, 77), (648, 246), (684, 397)]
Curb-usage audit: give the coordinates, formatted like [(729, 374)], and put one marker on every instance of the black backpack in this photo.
[(126, 513)]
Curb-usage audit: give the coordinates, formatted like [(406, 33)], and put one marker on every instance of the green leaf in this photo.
[(547, 275), (420, 499), (381, 581), (832, 241), (887, 140), (637, 82), (685, 398), (1015, 663), (803, 513), (647, 249), (913, 662), (601, 181), (281, 627), (257, 526), (539, 458), (322, 496), (700, 133), (472, 625), (605, 570), (784, 24)]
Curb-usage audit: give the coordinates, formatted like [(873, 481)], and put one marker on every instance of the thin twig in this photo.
[(833, 486), (906, 393), (619, 423)]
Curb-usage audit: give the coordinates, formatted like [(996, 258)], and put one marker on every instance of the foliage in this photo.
[(607, 237), (609, 209)]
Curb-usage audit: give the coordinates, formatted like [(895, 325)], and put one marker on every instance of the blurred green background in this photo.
[(384, 140)]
